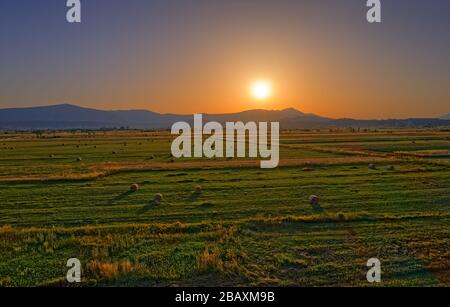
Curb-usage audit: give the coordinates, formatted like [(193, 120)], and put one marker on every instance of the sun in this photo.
[(261, 90)]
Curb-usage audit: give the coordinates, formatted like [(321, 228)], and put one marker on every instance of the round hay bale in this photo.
[(158, 198), (391, 168), (134, 187), (198, 189), (114, 152), (372, 166), (314, 200), (51, 155), (79, 159)]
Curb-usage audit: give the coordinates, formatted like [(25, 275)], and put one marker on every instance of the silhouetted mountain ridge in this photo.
[(68, 116)]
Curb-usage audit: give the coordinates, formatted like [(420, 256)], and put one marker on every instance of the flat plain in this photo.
[(67, 194)]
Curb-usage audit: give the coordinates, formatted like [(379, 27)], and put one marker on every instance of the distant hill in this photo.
[(67, 116), (355, 123)]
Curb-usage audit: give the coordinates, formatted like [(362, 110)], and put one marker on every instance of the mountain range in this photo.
[(67, 116)]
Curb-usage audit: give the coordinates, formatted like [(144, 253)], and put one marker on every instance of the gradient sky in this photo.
[(185, 56)]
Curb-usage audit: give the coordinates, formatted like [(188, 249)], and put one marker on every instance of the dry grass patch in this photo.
[(110, 270)]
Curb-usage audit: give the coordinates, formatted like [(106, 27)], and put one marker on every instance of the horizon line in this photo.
[(443, 116)]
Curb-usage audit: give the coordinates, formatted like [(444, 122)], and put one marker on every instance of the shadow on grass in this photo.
[(151, 205), (319, 210), (206, 205), (194, 196), (123, 195)]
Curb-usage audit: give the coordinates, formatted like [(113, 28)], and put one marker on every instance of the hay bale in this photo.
[(79, 159), (372, 166), (114, 152), (158, 198), (198, 189), (314, 201), (51, 155), (391, 168), (134, 187)]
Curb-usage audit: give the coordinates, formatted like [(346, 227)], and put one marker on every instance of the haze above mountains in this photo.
[(67, 116)]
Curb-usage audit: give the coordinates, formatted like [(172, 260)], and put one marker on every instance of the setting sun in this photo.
[(261, 90)]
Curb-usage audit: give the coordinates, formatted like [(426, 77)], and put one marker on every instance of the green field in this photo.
[(66, 194)]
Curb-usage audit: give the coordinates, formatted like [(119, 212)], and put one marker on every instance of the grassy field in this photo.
[(66, 194)]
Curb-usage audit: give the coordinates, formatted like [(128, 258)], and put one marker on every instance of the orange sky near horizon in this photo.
[(196, 56), (351, 81)]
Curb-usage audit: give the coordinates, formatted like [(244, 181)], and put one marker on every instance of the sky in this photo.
[(201, 56)]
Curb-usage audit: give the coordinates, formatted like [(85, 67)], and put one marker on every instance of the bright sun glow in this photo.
[(261, 90)]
